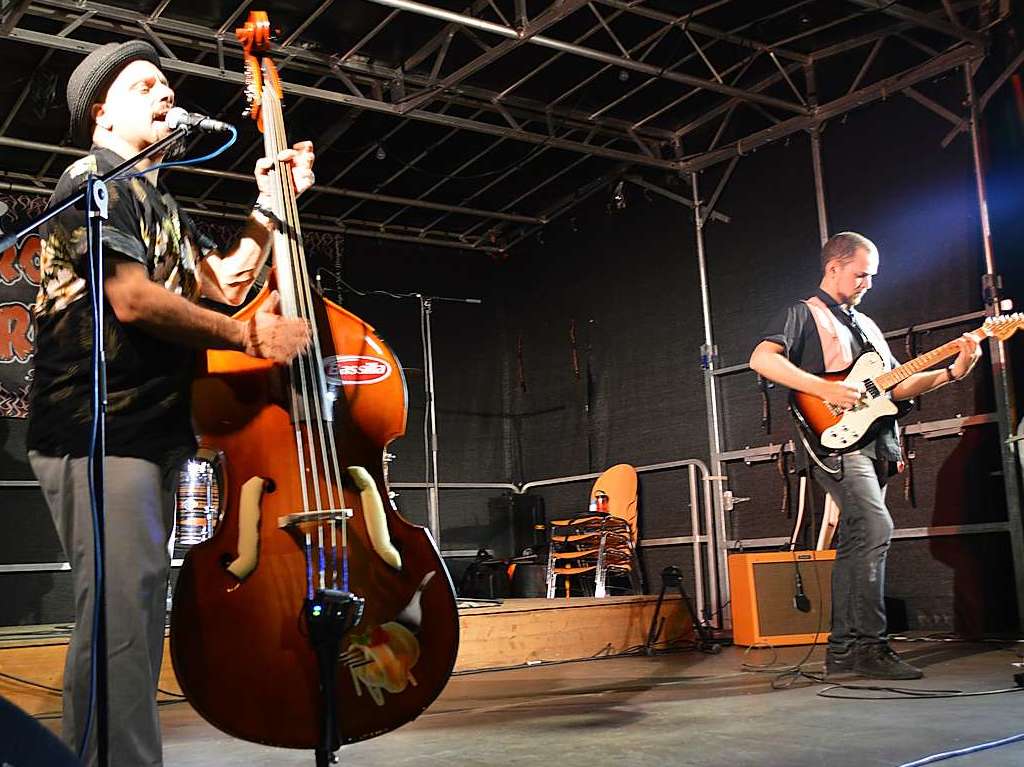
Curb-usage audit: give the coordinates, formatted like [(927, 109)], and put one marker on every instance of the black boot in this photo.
[(880, 661)]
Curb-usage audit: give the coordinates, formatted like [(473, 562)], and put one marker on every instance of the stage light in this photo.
[(619, 196), (380, 154)]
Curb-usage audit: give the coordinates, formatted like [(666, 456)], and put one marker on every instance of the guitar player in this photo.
[(822, 334)]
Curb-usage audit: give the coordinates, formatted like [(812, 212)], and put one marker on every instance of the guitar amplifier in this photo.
[(764, 587)]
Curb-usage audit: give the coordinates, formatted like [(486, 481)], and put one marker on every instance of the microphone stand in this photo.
[(430, 437), (96, 198)]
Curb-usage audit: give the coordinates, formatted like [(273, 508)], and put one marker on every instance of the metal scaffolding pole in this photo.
[(555, 13), (695, 26), (819, 176), (717, 564), (1002, 377)]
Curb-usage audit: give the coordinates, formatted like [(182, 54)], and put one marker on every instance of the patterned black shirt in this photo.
[(148, 379)]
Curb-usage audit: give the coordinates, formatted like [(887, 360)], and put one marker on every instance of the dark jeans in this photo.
[(862, 542)]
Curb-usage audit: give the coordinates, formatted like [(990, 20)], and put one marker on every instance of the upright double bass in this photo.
[(308, 526)]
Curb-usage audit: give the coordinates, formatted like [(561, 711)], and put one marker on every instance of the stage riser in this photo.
[(517, 632)]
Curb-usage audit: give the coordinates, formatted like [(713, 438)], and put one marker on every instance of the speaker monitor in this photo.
[(765, 597)]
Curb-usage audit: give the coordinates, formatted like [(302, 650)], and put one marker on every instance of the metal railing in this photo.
[(696, 540)]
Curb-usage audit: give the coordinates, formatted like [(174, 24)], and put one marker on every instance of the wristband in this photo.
[(949, 372), (265, 211)]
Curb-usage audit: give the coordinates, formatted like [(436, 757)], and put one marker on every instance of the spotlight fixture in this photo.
[(619, 195), (380, 153), (623, 75)]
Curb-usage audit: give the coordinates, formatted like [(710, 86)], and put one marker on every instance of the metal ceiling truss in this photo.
[(424, 88), (19, 183), (358, 68), (623, 62), (209, 208)]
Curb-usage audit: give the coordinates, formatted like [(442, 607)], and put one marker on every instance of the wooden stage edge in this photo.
[(515, 633)]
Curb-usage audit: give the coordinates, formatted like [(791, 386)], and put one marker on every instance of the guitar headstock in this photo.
[(1004, 325), (255, 38)]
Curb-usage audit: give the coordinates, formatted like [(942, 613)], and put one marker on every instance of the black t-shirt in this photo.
[(794, 329), (148, 379)]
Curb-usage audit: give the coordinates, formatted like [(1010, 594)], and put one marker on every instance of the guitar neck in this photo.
[(892, 377)]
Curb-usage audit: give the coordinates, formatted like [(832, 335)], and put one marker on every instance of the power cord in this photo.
[(30, 683), (906, 693), (964, 751)]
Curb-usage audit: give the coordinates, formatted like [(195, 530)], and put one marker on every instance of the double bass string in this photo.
[(285, 268), (321, 401), (311, 378)]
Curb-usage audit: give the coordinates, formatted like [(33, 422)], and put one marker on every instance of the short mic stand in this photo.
[(96, 200)]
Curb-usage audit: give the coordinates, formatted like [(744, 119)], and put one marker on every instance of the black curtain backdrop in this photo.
[(519, 400)]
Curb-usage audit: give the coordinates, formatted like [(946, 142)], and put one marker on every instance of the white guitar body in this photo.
[(855, 423)]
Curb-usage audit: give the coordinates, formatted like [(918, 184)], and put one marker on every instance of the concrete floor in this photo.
[(679, 709)]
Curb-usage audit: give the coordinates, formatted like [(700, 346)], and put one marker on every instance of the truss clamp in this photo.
[(991, 284), (729, 501), (709, 356)]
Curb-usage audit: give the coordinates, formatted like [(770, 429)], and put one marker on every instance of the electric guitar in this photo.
[(832, 430)]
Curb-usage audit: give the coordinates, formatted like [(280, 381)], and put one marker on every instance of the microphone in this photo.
[(179, 118), (800, 600)]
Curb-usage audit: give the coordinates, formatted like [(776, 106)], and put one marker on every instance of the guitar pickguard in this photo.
[(854, 425)]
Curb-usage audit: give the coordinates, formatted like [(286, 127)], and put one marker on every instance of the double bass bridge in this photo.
[(304, 520)]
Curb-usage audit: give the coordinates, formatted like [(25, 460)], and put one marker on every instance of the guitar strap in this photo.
[(850, 320)]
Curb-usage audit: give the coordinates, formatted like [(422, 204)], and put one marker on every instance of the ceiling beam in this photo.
[(14, 143), (237, 78), (703, 29), (559, 10), (866, 95), (14, 13), (929, 21), (220, 215), (372, 72), (592, 54)]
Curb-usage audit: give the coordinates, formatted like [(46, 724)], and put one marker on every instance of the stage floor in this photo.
[(679, 709)]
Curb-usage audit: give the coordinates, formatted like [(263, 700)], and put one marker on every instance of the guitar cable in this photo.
[(837, 472)]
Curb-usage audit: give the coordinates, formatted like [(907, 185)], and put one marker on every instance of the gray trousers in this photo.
[(862, 543), (139, 510)]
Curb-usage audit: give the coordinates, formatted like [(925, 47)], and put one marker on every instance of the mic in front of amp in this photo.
[(800, 600), (180, 118)]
